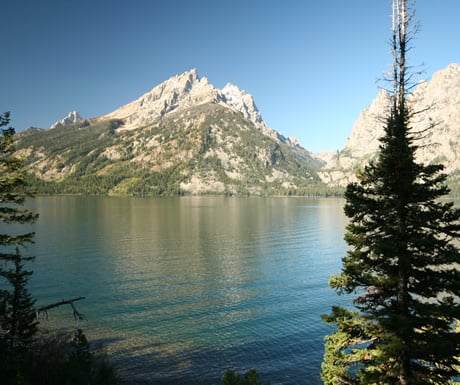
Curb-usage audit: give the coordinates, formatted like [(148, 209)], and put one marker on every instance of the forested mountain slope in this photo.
[(183, 137)]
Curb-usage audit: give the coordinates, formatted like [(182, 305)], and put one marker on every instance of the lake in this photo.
[(181, 289)]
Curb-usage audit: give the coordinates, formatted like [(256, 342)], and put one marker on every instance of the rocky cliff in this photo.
[(435, 126), (72, 117)]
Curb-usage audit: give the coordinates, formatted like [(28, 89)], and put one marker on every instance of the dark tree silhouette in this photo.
[(18, 324), (402, 265)]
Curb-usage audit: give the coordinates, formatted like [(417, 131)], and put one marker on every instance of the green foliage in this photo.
[(402, 267), (18, 321), (18, 325), (251, 377), (155, 160), (65, 359)]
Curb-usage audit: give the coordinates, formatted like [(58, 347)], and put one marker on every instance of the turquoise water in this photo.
[(181, 289)]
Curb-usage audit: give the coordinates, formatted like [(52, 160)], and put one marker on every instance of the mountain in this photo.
[(185, 91), (436, 127), (185, 136), (72, 117)]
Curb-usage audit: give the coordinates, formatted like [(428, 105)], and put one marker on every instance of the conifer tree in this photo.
[(402, 264), (18, 324)]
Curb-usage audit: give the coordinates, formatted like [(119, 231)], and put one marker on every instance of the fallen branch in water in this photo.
[(76, 314)]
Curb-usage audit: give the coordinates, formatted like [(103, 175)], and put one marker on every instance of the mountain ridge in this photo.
[(190, 135), (182, 136), (71, 117)]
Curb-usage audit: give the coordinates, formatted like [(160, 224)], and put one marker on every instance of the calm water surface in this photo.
[(181, 289)]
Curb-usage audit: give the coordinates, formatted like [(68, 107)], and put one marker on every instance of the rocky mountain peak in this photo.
[(184, 91), (436, 107), (239, 100), (434, 101), (71, 117), (243, 102), (179, 92), (183, 136)]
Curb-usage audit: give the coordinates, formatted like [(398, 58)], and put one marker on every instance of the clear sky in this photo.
[(311, 65)]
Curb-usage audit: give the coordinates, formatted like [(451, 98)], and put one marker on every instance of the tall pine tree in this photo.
[(402, 265), (18, 324)]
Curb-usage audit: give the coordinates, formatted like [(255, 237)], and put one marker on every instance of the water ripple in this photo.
[(181, 289)]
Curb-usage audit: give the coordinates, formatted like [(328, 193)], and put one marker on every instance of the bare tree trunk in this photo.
[(400, 110)]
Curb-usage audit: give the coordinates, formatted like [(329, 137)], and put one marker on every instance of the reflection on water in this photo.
[(181, 289)]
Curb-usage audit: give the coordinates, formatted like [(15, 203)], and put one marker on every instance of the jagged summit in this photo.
[(184, 136), (185, 91), (243, 102), (72, 117), (179, 92)]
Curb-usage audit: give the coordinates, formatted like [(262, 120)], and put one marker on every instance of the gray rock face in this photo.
[(243, 102), (439, 103), (178, 93), (71, 118), (182, 92), (436, 127)]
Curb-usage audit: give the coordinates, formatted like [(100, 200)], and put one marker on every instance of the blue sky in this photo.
[(311, 66)]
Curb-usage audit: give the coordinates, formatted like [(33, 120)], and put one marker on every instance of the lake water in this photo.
[(181, 289)]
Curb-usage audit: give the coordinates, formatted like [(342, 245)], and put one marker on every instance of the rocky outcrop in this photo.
[(435, 126), (175, 94), (438, 103), (182, 92), (72, 117)]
